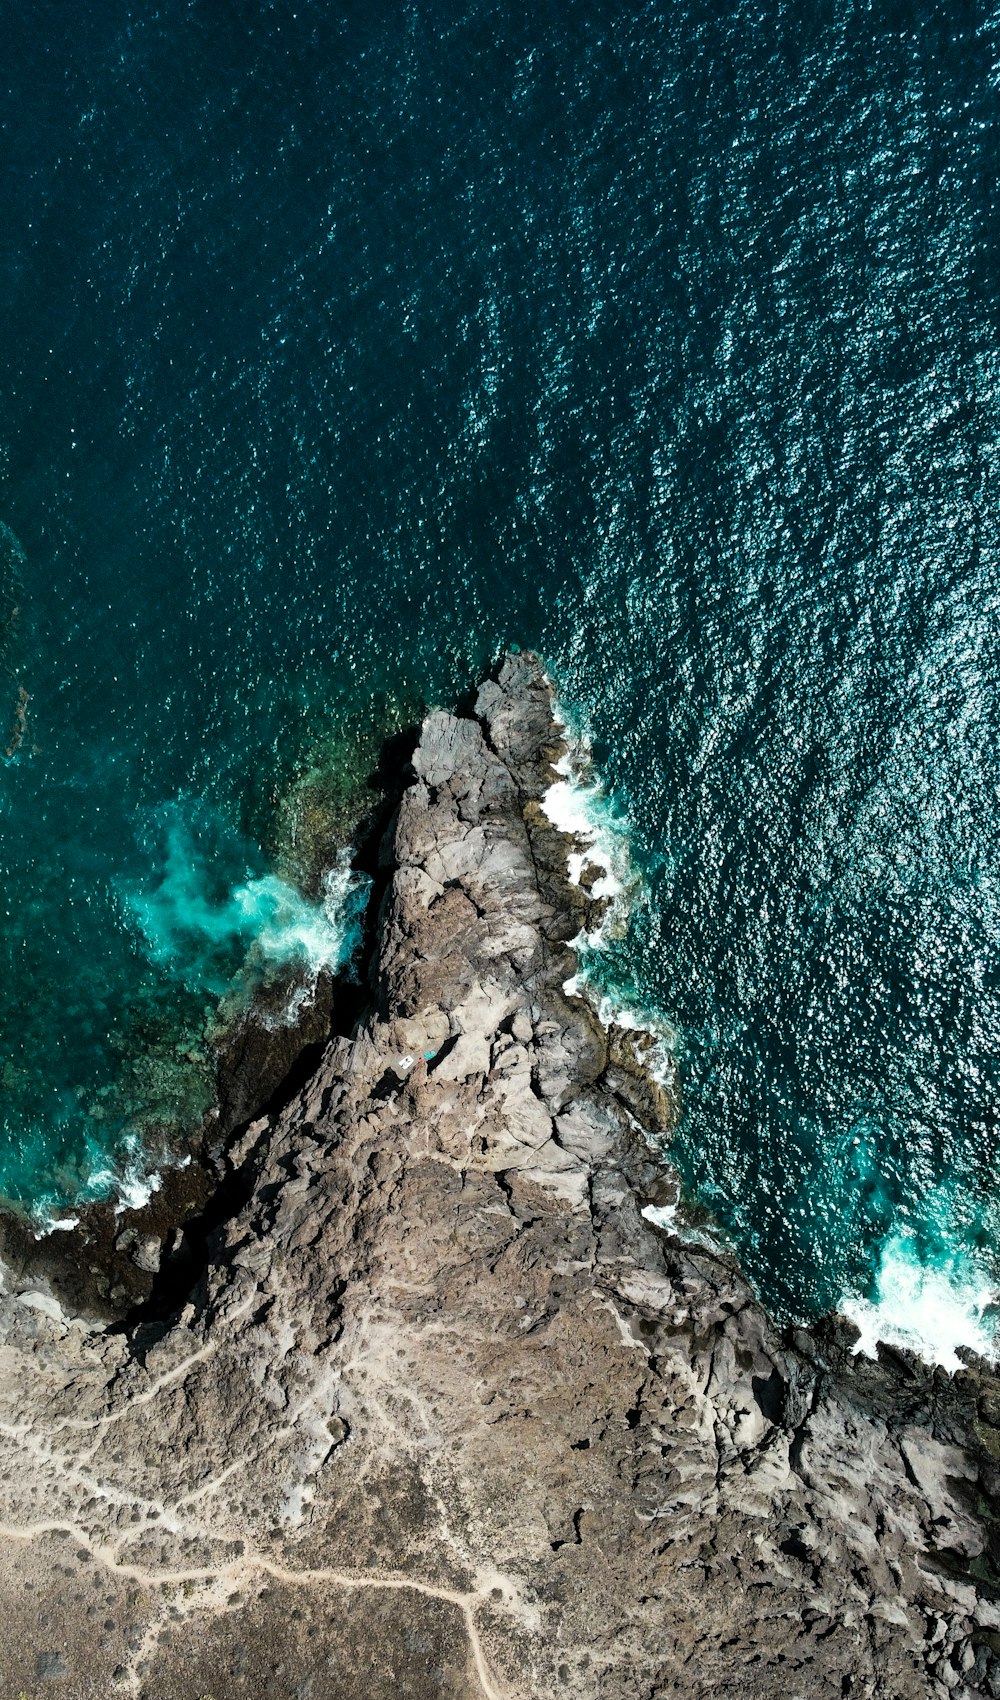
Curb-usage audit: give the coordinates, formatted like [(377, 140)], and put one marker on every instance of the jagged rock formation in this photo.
[(446, 1416)]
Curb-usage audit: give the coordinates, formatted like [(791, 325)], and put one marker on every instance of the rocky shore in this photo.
[(439, 1412)]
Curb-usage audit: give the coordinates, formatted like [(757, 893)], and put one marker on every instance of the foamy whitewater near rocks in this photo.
[(933, 1312), (266, 919), (446, 1409), (601, 866)]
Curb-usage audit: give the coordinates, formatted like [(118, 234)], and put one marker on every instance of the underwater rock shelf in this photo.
[(443, 1414)]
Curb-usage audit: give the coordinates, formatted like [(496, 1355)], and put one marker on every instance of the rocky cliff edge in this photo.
[(445, 1415)]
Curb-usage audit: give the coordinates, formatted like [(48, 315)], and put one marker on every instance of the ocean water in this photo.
[(341, 346)]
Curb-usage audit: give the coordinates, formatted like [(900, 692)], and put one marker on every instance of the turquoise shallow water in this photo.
[(339, 350)]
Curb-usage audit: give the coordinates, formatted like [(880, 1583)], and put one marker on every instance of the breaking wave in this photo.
[(254, 928), (929, 1310)]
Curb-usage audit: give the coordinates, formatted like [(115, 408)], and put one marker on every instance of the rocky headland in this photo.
[(436, 1411)]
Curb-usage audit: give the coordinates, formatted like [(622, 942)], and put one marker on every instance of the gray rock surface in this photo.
[(446, 1416)]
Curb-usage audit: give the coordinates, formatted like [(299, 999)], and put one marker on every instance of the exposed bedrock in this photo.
[(445, 1415)]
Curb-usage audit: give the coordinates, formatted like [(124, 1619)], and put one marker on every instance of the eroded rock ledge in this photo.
[(446, 1416)]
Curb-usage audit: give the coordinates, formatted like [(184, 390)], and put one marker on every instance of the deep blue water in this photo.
[(339, 347)]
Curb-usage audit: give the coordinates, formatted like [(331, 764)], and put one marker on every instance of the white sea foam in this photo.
[(131, 1184), (201, 935), (661, 1215), (288, 928), (135, 1187), (581, 809), (316, 936), (930, 1311), (577, 804), (196, 935)]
